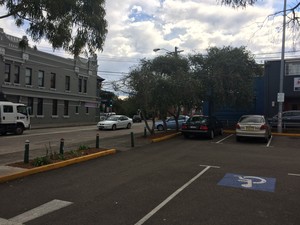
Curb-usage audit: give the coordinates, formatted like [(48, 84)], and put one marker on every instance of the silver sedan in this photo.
[(253, 126)]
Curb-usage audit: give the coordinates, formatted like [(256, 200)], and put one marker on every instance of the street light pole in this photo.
[(175, 53), (280, 97)]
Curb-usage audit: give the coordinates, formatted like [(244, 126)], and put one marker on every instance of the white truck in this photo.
[(14, 118)]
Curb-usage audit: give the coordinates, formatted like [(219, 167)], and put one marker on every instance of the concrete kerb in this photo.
[(53, 166)]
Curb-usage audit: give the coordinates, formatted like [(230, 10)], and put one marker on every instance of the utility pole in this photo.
[(280, 96)]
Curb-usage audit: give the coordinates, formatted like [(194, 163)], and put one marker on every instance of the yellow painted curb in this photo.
[(55, 165), (165, 137)]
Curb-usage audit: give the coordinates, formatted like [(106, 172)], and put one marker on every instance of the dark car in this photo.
[(200, 125), (289, 119), (136, 119)]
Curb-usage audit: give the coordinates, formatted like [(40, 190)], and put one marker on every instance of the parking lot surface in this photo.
[(179, 181)]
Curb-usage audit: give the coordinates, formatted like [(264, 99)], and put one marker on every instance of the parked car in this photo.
[(104, 116), (115, 122), (289, 119), (253, 126), (136, 119), (171, 123), (200, 125)]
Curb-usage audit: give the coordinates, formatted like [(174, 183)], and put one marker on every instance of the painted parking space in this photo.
[(248, 182)]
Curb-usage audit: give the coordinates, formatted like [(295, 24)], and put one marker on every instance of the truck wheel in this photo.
[(19, 130)]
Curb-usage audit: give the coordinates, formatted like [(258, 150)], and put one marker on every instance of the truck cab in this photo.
[(14, 118)]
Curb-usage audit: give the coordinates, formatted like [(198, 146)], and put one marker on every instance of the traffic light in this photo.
[(110, 103)]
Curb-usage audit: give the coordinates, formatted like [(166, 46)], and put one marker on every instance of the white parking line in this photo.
[(294, 174), (157, 208), (36, 212), (218, 142), (270, 140)]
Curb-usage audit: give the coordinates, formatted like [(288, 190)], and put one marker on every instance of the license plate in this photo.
[(193, 127), (249, 128)]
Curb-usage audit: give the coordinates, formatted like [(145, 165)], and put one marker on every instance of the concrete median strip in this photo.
[(27, 172)]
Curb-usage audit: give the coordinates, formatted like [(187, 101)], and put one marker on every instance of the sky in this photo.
[(136, 27)]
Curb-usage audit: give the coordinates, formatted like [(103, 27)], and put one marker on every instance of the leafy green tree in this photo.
[(227, 76), (74, 25)]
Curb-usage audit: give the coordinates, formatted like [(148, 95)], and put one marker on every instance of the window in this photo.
[(77, 109), (41, 77), (79, 84), (53, 80), (7, 109), (54, 107), (28, 76), (292, 68), (30, 105), (7, 73), (84, 85), (87, 110), (17, 74), (40, 107), (67, 84), (66, 108)]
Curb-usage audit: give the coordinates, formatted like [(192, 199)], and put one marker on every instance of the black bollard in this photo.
[(145, 132), (26, 152), (97, 141), (132, 139), (61, 148)]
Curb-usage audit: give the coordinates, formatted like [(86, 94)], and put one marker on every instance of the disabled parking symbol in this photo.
[(248, 182)]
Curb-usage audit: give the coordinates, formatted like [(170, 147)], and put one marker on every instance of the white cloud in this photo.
[(137, 27)]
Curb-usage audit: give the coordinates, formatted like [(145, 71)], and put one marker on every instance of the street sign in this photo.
[(248, 182), (280, 97)]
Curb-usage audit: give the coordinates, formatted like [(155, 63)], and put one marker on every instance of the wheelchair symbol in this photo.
[(248, 181)]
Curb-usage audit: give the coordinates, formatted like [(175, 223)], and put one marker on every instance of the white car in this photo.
[(115, 122)]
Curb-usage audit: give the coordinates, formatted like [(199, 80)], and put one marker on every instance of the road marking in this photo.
[(294, 174), (270, 140), (157, 208), (36, 212), (224, 138), (248, 182)]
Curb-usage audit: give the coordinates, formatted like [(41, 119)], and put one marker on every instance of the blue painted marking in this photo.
[(248, 182)]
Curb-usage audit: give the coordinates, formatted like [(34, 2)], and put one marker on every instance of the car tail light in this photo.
[(237, 126), (183, 126), (203, 127), (263, 127)]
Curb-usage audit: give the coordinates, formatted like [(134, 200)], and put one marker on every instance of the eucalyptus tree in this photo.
[(176, 88), (77, 26), (227, 75)]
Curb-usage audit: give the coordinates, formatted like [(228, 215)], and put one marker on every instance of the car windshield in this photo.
[(251, 119), (112, 118), (198, 119)]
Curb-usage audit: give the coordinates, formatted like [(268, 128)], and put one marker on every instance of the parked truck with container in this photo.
[(14, 118)]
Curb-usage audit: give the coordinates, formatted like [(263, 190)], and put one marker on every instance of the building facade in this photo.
[(291, 86), (59, 91)]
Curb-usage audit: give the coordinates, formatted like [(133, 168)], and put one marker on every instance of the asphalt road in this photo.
[(48, 140), (179, 181)]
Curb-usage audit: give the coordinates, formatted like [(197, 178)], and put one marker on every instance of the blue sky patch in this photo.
[(248, 182)]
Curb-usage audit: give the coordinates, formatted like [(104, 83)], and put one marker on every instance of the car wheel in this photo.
[(114, 127), (237, 138), (211, 134), (160, 127), (128, 126), (19, 130), (221, 131)]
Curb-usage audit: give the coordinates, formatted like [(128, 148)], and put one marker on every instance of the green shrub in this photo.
[(40, 161)]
